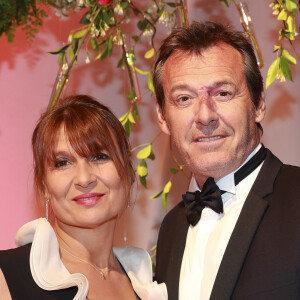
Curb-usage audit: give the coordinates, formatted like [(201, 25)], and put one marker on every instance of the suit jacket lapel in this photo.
[(251, 215), (175, 251)]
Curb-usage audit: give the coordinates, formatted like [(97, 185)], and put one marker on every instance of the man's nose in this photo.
[(205, 111)]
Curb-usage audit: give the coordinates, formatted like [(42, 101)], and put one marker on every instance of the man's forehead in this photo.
[(219, 50), (217, 65)]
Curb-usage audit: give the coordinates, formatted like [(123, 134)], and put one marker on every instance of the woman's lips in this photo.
[(88, 199)]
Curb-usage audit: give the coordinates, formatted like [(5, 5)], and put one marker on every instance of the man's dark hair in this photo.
[(198, 37)]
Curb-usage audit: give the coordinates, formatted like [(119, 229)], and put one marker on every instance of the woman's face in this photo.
[(83, 191)]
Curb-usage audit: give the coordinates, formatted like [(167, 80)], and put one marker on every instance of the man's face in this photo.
[(208, 111)]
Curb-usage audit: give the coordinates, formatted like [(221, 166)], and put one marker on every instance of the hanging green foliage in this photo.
[(26, 14)]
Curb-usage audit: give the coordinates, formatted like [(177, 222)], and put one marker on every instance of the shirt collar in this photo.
[(225, 183)]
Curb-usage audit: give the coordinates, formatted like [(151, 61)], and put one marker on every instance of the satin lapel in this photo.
[(238, 246), (175, 250), (251, 215)]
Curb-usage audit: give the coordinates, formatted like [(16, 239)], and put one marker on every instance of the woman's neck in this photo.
[(93, 245)]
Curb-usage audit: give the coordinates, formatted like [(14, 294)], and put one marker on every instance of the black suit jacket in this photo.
[(262, 258)]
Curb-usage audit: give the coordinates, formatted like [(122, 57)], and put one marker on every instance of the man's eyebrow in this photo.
[(179, 87), (213, 85), (222, 82)]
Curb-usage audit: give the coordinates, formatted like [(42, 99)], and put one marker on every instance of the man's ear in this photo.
[(260, 111), (161, 120)]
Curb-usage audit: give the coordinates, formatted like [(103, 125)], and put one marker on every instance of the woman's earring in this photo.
[(47, 211), (125, 234)]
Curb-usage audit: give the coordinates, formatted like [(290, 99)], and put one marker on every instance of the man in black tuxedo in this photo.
[(238, 235)]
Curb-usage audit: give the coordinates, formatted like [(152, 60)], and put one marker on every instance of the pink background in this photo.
[(27, 74)]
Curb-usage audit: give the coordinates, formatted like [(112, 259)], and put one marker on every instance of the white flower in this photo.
[(148, 32), (94, 31), (118, 9), (166, 19), (103, 29), (65, 67)]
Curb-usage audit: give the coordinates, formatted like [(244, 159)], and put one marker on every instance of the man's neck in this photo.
[(201, 178)]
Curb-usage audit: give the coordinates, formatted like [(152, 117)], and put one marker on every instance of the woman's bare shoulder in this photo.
[(4, 291)]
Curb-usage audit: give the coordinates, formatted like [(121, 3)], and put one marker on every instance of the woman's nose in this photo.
[(85, 176)]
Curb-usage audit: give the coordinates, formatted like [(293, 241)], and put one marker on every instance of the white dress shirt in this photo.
[(207, 240)]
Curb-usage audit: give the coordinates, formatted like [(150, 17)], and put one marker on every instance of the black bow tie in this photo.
[(210, 196)]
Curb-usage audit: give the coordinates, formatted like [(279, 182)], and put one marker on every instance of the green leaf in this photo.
[(127, 128), (291, 27), (174, 170), (225, 2), (145, 152), (124, 118), (131, 95), (11, 38), (105, 52), (120, 63), (84, 19), (165, 201), (141, 72), (75, 43), (131, 118), (150, 83), (285, 67), (143, 181), (61, 58), (106, 17), (152, 155), (60, 50), (71, 53), (156, 195), (282, 15), (291, 5), (167, 187), (136, 111), (171, 4), (80, 34), (276, 48), (272, 72), (110, 45), (160, 12), (149, 53), (94, 44), (142, 25), (124, 4), (291, 59), (142, 169), (98, 56)]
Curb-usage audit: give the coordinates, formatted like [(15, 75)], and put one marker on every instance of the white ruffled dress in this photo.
[(49, 272)]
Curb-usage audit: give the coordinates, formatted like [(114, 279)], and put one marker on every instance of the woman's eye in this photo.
[(100, 157), (61, 163)]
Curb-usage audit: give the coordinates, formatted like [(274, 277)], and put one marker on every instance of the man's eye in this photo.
[(183, 99), (100, 157), (223, 95), (61, 163)]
